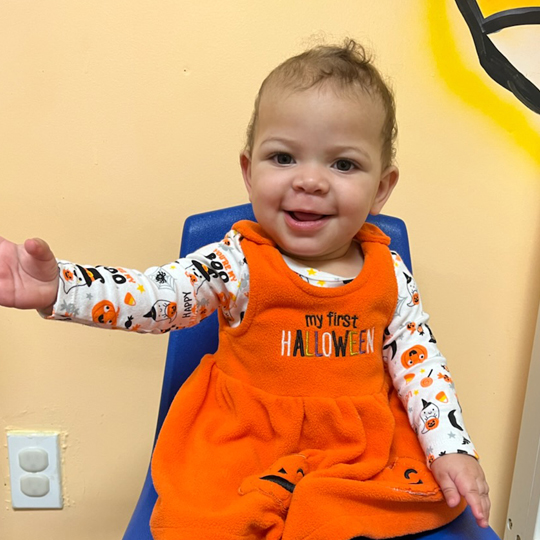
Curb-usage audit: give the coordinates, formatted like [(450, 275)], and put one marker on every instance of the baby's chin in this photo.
[(304, 248), (312, 257)]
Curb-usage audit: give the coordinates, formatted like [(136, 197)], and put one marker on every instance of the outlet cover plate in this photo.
[(34, 467)]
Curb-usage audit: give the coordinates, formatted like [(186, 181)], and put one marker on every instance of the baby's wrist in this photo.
[(455, 456)]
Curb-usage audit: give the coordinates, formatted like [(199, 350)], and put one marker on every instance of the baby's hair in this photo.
[(348, 68)]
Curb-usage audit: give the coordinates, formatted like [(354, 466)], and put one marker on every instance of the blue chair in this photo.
[(188, 346)]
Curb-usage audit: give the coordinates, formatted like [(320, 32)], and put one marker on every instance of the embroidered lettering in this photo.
[(298, 344), (352, 343), (313, 343), (340, 343), (327, 344), (286, 343), (314, 320)]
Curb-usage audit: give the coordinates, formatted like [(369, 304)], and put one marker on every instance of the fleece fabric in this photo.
[(292, 429)]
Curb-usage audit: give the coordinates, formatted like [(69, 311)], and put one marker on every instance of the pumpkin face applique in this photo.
[(104, 313), (279, 480), (414, 355)]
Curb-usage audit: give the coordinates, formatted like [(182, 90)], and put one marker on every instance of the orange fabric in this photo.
[(291, 430)]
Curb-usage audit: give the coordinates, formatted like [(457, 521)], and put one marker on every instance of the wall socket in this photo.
[(34, 468)]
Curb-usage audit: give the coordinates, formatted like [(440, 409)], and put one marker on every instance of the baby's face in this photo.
[(315, 171)]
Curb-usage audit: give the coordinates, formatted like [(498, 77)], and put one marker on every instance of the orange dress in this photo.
[(292, 430)]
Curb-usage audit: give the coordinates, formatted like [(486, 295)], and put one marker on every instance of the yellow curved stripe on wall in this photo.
[(469, 86), (489, 7)]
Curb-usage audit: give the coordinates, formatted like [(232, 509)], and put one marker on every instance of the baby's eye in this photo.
[(344, 165), (283, 159)]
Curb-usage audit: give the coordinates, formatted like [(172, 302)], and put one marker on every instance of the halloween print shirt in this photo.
[(182, 293)]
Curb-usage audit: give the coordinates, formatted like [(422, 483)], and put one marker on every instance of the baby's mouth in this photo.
[(306, 216)]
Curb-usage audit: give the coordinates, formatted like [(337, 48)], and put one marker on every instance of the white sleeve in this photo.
[(161, 299), (420, 374)]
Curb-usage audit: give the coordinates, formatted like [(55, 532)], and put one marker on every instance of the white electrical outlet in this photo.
[(34, 468)]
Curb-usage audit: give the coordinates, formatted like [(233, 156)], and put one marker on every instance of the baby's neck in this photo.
[(347, 266)]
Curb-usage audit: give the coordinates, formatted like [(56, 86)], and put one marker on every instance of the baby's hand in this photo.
[(460, 475), (28, 275)]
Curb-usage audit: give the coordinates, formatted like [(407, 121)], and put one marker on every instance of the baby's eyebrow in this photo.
[(279, 140)]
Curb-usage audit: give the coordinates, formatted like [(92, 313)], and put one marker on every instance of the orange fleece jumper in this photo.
[(292, 429)]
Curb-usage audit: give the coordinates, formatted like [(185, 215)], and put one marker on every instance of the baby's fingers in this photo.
[(38, 261), (483, 491), (39, 249), (450, 491), (476, 493)]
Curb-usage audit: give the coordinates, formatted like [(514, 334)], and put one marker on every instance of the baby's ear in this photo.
[(389, 179), (245, 165)]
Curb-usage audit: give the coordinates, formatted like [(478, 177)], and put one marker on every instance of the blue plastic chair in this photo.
[(188, 346)]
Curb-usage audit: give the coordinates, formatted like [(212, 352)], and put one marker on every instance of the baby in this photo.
[(327, 411)]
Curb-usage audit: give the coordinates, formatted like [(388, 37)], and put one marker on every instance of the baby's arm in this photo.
[(163, 298), (28, 275), (425, 386)]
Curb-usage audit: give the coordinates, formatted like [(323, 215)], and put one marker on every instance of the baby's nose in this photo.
[(312, 179)]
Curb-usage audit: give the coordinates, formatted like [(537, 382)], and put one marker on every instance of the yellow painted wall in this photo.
[(120, 118)]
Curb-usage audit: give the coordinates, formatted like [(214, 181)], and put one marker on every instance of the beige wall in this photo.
[(120, 118)]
